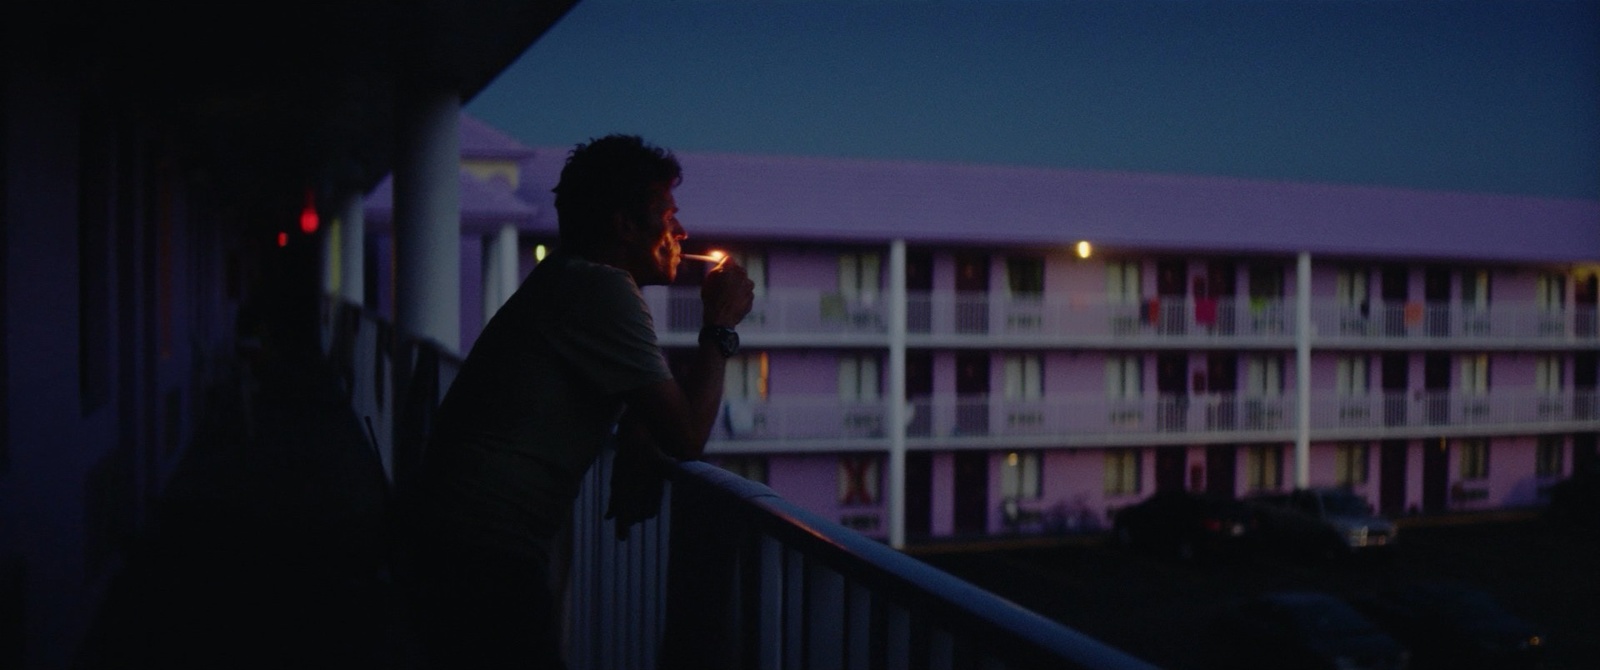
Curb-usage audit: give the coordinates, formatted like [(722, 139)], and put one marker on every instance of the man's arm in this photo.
[(679, 413)]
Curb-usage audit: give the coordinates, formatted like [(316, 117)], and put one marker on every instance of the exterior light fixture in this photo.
[(1083, 249), (308, 214)]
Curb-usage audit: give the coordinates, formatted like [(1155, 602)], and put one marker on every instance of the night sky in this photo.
[(1458, 95)]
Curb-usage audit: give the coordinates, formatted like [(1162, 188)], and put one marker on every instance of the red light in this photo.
[(283, 239), (308, 215)]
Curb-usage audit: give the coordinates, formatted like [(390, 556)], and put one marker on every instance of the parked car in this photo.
[(1305, 630), (1323, 523), (1451, 625), (1576, 499), (1183, 524)]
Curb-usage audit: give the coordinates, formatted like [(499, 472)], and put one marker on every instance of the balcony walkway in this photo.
[(267, 548)]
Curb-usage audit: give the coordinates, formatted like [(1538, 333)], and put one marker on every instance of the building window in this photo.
[(1124, 388), (1025, 276), (1264, 376), (1266, 282), (1351, 376), (1020, 476), (1547, 375), (1024, 377), (1124, 377), (860, 275), (1122, 472), (1475, 289), (1474, 379), (1550, 292), (1350, 288), (1122, 283), (1474, 459), (1350, 464), (1263, 467), (858, 378), (860, 479), (745, 377), (1550, 457), (753, 468), (1024, 387), (755, 267)]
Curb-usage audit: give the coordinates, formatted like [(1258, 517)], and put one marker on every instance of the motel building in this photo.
[(946, 351)]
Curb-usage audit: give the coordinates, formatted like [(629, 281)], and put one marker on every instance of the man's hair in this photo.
[(616, 173)]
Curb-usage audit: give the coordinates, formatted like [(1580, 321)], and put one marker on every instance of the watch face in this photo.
[(726, 339)]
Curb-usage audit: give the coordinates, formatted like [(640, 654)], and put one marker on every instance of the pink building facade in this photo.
[(1434, 352)]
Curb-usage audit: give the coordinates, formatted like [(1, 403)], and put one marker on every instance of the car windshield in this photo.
[(1330, 618), (1345, 504), (1457, 604)]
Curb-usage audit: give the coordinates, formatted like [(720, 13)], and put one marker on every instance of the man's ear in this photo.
[(623, 227)]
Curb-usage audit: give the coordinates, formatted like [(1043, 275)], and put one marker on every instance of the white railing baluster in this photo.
[(770, 607), (941, 650), (897, 643), (794, 615), (825, 617), (858, 635)]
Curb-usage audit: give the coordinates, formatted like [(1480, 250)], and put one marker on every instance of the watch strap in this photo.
[(724, 339)]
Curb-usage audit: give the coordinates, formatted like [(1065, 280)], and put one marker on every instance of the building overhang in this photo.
[(266, 100)]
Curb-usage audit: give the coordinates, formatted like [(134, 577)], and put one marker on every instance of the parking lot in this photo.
[(1157, 608)]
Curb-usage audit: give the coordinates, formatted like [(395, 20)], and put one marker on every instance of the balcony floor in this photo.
[(267, 548)]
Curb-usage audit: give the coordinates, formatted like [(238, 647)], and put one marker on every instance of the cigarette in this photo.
[(703, 257)]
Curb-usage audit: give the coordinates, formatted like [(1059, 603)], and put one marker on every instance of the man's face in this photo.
[(655, 252)]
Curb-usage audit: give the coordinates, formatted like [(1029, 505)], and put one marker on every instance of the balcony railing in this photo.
[(823, 422), (730, 575), (1031, 319), (776, 313), (784, 315), (1501, 321), (1502, 407)]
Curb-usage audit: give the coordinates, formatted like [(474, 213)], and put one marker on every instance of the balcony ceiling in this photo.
[(265, 99)]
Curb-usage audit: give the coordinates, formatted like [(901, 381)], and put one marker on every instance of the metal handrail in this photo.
[(732, 575), (992, 631)]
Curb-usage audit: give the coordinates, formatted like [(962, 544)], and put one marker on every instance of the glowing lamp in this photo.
[(283, 239), (308, 215), (1082, 249)]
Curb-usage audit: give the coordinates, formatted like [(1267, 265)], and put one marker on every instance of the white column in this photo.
[(499, 270), (352, 248), (897, 394), (1302, 371), (427, 219)]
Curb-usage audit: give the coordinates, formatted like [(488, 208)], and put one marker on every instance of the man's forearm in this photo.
[(703, 389)]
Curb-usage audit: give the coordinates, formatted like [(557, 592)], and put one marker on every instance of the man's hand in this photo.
[(727, 294), (636, 478)]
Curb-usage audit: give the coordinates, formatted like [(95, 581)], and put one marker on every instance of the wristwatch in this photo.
[(724, 339)]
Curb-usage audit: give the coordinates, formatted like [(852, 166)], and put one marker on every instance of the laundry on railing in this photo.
[(1413, 314), (1205, 311)]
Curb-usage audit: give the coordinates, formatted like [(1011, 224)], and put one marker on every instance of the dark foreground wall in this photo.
[(118, 298)]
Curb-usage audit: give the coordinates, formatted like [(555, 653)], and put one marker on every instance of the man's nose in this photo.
[(678, 231)]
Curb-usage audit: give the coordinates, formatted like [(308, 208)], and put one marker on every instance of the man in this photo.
[(543, 389)]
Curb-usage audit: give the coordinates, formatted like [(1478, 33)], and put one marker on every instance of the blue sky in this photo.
[(1490, 96)]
